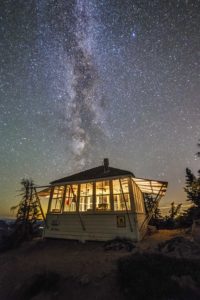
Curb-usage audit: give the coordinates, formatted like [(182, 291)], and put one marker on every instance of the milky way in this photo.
[(83, 80), (78, 100), (84, 109)]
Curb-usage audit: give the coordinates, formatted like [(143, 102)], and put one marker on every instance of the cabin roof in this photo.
[(94, 173), (147, 186)]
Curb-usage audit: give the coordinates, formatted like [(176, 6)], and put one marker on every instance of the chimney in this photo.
[(106, 165)]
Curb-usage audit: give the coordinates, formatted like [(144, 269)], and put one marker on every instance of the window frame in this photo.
[(87, 196), (94, 196), (60, 211), (128, 203), (103, 195)]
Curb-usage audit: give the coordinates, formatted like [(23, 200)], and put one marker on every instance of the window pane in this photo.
[(102, 187), (102, 195), (86, 197), (57, 198), (125, 185), (116, 187), (138, 198), (71, 198), (121, 202)]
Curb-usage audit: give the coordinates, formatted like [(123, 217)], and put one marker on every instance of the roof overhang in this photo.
[(45, 192), (92, 180), (147, 186), (150, 186)]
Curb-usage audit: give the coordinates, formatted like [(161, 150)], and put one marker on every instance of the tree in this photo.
[(150, 203), (28, 212), (172, 220), (193, 185), (174, 210), (192, 188)]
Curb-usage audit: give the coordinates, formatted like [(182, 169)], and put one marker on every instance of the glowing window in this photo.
[(56, 202), (121, 200), (86, 197), (102, 195), (70, 201)]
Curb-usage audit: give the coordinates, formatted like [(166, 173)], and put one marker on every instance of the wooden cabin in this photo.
[(100, 204)]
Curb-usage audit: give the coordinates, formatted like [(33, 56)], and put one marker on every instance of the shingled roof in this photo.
[(94, 173)]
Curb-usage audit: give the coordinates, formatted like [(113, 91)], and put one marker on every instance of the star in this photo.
[(133, 34), (83, 80)]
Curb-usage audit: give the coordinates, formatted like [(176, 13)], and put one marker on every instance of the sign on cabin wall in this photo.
[(121, 221)]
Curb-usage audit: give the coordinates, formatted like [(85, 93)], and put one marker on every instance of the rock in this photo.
[(187, 283), (180, 247), (119, 244), (151, 229), (82, 241), (84, 280)]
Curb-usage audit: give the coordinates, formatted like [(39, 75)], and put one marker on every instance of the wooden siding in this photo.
[(99, 227), (141, 225)]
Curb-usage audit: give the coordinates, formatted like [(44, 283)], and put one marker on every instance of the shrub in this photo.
[(154, 276)]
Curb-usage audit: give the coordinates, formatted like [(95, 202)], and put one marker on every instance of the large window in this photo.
[(121, 197), (71, 198), (56, 202), (67, 198), (86, 197), (102, 195)]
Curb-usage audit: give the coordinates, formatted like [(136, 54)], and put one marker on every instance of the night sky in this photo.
[(82, 80)]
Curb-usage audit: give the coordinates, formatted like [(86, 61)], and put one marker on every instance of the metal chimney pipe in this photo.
[(106, 164)]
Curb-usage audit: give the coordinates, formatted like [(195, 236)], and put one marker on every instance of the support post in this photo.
[(79, 214), (132, 196), (129, 220), (111, 195), (63, 199), (40, 206), (94, 197), (148, 218), (50, 199)]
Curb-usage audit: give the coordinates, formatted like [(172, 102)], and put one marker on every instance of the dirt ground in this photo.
[(84, 270), (150, 242)]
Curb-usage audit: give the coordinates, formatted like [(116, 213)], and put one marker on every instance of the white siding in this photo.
[(142, 224), (97, 226)]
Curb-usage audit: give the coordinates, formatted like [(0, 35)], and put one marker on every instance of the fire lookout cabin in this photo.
[(101, 204)]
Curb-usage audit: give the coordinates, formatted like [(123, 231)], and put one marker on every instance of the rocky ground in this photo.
[(60, 269)]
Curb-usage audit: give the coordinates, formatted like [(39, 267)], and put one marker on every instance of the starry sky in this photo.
[(81, 80)]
